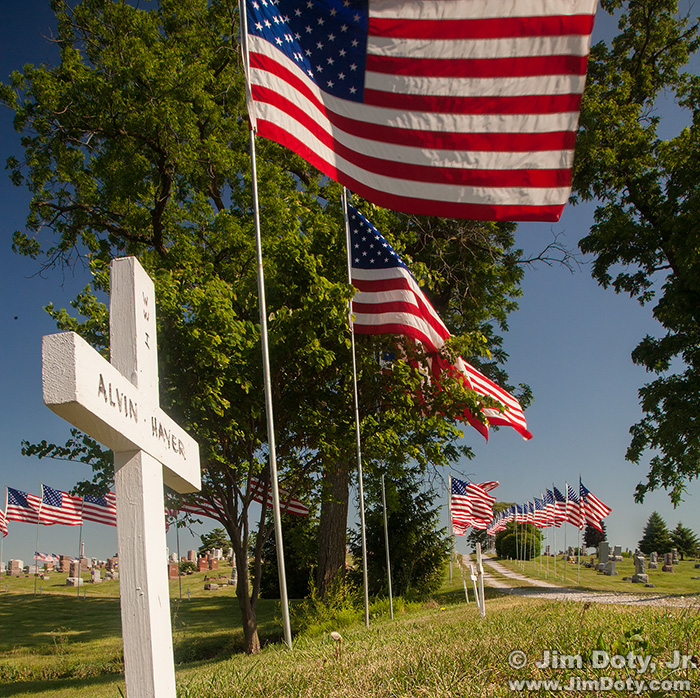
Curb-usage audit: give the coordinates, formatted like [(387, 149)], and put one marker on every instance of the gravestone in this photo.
[(653, 561), (95, 576), (64, 564), (202, 564), (609, 568), (173, 568), (74, 568), (192, 556), (617, 553), (74, 581), (640, 569), (674, 556), (117, 404), (112, 564), (668, 563), (213, 564), (173, 557), (603, 555)]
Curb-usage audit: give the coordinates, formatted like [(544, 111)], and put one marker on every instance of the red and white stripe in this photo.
[(97, 513), (69, 513), (390, 301), (470, 107)]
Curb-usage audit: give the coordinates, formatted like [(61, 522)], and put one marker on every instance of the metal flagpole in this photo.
[(177, 543), (449, 513), (284, 601), (36, 549), (80, 543), (2, 537), (388, 557), (554, 530), (566, 486), (515, 526), (357, 416), (580, 523)]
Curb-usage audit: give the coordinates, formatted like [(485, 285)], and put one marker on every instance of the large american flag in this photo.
[(456, 108), (60, 508), (390, 301), (22, 506), (593, 509), (100, 508)]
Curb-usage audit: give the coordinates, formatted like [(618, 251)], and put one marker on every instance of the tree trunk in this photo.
[(333, 523), (249, 617)]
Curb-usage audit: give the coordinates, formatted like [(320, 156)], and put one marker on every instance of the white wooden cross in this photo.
[(117, 404)]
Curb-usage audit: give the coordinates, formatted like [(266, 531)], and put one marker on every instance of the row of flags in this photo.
[(553, 508), (56, 507)]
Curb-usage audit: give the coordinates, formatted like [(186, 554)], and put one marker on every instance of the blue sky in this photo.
[(570, 341)]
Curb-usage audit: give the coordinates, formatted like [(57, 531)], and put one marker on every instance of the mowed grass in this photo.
[(58, 646), (680, 581)]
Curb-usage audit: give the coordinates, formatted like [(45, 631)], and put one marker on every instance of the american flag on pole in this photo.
[(22, 506), (593, 509), (573, 507), (455, 108), (390, 301), (470, 504), (100, 508), (288, 505), (60, 508)]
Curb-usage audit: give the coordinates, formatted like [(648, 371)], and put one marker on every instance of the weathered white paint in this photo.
[(90, 393), (117, 404)]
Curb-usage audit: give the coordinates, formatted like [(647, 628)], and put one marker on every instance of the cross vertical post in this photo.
[(117, 404)]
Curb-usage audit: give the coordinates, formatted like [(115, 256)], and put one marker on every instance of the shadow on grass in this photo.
[(30, 621), (83, 684)]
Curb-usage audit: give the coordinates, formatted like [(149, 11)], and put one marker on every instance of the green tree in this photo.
[(521, 544), (419, 548), (655, 537), (300, 542), (136, 142), (685, 541), (647, 224), (592, 536), (216, 538)]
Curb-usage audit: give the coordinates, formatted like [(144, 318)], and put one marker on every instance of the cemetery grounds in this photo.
[(61, 644)]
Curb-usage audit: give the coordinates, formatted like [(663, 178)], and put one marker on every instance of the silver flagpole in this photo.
[(284, 601), (388, 557), (2, 537), (80, 544), (36, 550), (566, 562), (449, 513), (357, 415), (554, 531), (580, 523)]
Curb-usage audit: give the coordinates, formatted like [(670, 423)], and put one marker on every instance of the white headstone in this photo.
[(117, 404)]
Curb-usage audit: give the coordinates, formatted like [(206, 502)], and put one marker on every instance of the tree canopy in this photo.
[(646, 234)]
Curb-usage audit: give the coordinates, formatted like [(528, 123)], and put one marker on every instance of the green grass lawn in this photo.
[(57, 645), (677, 582)]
